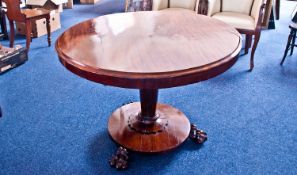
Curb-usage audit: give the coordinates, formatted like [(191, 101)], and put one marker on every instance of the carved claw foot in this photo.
[(197, 135), (120, 159)]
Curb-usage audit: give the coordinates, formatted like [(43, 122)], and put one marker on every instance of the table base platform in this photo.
[(170, 129)]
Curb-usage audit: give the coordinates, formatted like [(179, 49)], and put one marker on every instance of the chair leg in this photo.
[(256, 41), (288, 46), (293, 42), (48, 28), (28, 34), (248, 42), (11, 39), (277, 9)]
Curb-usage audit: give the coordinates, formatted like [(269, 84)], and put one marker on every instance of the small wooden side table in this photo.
[(291, 41)]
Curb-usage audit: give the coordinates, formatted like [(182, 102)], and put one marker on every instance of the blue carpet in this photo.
[(55, 122)]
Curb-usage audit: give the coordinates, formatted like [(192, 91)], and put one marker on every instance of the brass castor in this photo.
[(120, 159), (197, 135)]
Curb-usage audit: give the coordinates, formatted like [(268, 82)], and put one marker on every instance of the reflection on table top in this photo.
[(149, 42)]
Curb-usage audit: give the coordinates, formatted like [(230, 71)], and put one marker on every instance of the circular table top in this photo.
[(156, 49)]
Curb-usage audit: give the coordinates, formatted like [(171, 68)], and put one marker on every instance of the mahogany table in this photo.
[(149, 51)]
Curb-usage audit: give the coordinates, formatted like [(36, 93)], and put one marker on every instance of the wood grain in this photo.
[(158, 49)]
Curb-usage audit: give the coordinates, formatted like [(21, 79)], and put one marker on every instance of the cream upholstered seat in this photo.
[(236, 13), (244, 15), (237, 20)]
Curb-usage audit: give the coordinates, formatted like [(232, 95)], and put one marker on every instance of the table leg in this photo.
[(148, 99)]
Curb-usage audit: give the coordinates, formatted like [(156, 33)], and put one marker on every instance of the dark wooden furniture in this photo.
[(138, 5), (277, 9), (291, 41), (3, 33), (249, 36), (203, 7), (14, 13), (149, 51), (267, 14)]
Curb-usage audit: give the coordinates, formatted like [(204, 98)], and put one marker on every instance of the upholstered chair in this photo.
[(244, 15), (164, 4)]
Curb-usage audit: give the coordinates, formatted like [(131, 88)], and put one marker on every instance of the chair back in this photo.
[(163, 4), (160, 4), (186, 4), (258, 10), (240, 6), (14, 10)]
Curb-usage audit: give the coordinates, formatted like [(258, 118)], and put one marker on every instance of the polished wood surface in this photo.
[(15, 14), (148, 99), (170, 130), (149, 49)]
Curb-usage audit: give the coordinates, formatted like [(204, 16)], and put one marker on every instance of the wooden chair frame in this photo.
[(250, 33), (14, 13)]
